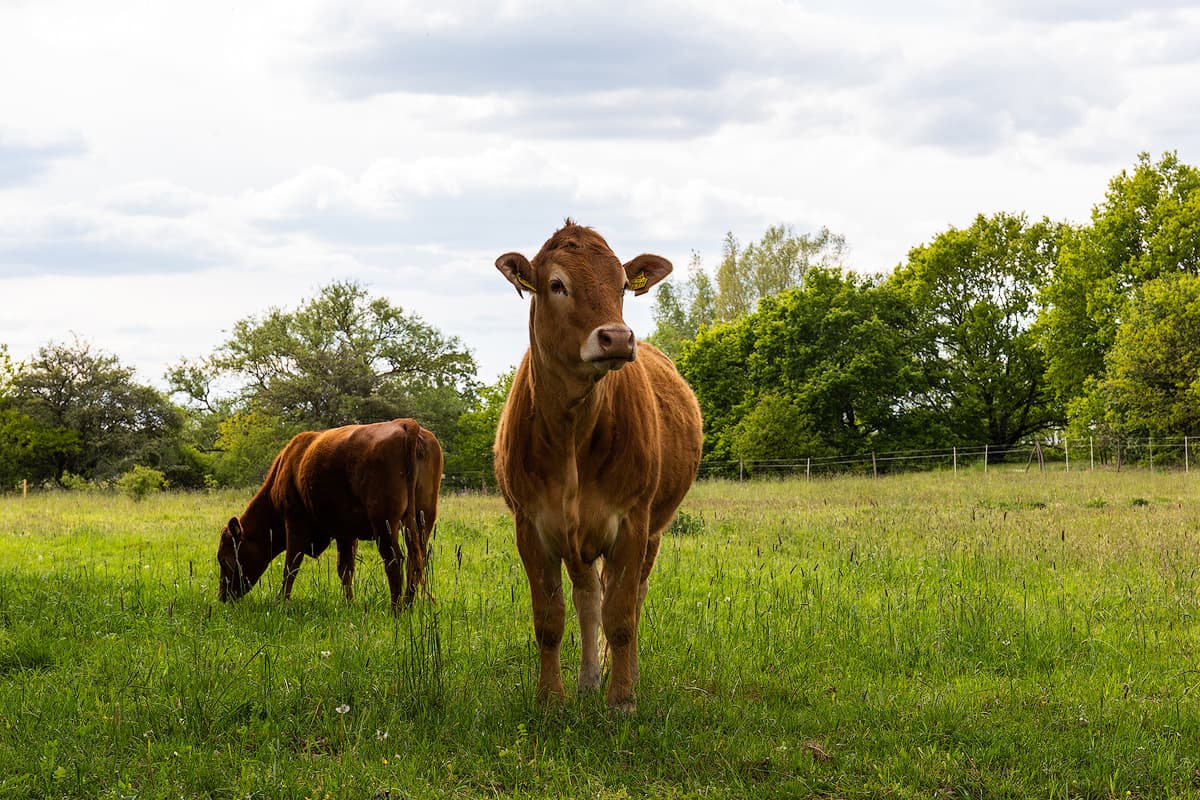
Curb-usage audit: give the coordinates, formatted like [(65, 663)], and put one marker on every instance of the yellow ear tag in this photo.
[(638, 281), (526, 284)]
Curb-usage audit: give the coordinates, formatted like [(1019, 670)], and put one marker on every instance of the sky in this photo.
[(167, 169)]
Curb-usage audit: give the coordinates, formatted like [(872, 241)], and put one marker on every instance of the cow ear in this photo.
[(518, 270), (645, 271), (235, 528)]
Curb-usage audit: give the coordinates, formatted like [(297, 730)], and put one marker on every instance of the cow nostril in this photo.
[(605, 339)]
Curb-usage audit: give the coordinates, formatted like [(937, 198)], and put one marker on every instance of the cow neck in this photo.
[(562, 401), (262, 522)]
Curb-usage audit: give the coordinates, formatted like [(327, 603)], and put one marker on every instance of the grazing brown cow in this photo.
[(598, 443), (340, 485)]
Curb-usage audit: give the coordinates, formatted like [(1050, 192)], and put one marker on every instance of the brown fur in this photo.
[(340, 485), (597, 445)]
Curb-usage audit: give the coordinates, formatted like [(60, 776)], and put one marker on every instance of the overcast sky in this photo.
[(169, 168)]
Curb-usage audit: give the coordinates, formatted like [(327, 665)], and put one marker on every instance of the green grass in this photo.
[(986, 636)]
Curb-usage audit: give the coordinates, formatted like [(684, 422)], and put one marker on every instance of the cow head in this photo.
[(242, 562), (578, 287)]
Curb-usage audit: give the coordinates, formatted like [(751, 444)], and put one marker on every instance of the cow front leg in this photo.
[(620, 612), (293, 557), (544, 571), (586, 594), (347, 549), (393, 564)]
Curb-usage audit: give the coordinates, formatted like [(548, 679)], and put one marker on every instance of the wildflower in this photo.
[(343, 709)]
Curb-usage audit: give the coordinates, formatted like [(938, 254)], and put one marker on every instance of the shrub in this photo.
[(140, 481)]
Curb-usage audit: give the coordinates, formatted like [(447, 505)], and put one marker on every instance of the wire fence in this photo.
[(1039, 455)]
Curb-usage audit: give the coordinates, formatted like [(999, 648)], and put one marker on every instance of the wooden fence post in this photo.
[(1067, 452), (956, 460), (1185, 455), (874, 466), (985, 459), (24, 488), (1092, 453), (808, 469)]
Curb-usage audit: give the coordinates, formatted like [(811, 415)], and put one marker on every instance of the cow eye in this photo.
[(558, 287)]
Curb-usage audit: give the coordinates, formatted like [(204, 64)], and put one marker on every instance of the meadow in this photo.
[(998, 635)]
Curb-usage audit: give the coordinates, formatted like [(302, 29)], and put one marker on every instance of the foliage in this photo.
[(824, 368), (141, 481), (1151, 384), (71, 390), (246, 444), (29, 450), (974, 293), (774, 264), (680, 313), (341, 358), (471, 460), (1147, 226), (745, 276)]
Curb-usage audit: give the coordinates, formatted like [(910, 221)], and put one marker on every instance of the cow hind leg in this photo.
[(347, 549), (393, 564), (586, 594), (414, 567)]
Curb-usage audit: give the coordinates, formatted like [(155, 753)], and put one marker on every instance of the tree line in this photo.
[(986, 335)]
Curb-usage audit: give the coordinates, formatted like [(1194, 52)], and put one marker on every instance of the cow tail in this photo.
[(411, 457)]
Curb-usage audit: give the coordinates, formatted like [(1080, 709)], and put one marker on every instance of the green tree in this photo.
[(680, 313), (246, 444), (775, 263), (825, 368), (744, 277), (1147, 226), (115, 421), (470, 464), (1151, 384), (31, 451), (343, 357), (975, 292)]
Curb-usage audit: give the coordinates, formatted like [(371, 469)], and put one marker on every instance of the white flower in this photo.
[(343, 709)]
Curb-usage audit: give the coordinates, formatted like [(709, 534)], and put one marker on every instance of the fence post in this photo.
[(1151, 455), (808, 469), (741, 470), (1185, 455), (985, 459), (24, 488), (874, 466), (1067, 452), (956, 460), (1092, 453)]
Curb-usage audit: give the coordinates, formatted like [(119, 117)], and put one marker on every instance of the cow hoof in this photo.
[(589, 680), (625, 708)]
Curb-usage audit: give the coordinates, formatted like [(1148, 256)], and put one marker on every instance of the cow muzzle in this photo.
[(609, 347)]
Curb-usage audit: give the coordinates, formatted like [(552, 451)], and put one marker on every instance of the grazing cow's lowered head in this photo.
[(578, 287), (242, 561)]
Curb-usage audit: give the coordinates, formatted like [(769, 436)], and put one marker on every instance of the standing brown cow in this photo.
[(340, 485), (598, 443)]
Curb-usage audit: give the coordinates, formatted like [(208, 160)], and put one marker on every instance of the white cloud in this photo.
[(178, 167)]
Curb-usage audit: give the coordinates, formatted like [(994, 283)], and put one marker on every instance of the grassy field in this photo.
[(983, 636)]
